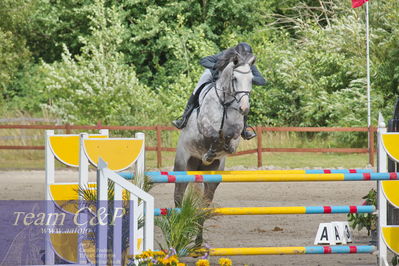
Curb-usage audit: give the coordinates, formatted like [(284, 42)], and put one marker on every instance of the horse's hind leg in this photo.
[(183, 165), (209, 192), (180, 188)]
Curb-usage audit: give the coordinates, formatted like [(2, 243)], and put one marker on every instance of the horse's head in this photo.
[(236, 82)]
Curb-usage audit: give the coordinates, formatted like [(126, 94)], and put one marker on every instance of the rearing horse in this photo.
[(213, 130)]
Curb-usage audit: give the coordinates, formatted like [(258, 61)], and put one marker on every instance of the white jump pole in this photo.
[(49, 180)]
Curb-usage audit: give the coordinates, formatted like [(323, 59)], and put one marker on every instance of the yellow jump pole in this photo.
[(257, 251), (287, 250), (259, 210), (281, 210), (282, 177), (287, 171), (272, 177), (294, 210)]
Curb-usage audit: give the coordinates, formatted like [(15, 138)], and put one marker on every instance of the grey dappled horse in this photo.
[(213, 130)]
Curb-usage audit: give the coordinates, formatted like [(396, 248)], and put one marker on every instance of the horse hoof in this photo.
[(229, 149), (206, 163), (199, 240), (206, 160)]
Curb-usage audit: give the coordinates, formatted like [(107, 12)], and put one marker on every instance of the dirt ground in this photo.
[(243, 231)]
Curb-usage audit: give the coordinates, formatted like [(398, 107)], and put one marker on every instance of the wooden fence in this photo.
[(259, 130)]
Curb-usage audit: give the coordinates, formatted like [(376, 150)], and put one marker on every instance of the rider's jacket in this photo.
[(210, 61)]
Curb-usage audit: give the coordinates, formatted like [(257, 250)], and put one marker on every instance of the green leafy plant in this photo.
[(181, 227), (365, 220), (395, 260)]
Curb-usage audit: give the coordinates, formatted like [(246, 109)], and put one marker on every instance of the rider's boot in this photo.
[(247, 134), (182, 121)]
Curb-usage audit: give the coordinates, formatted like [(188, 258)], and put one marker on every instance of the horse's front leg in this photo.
[(209, 156)]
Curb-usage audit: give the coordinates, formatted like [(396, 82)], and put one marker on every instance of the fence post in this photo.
[(371, 147), (67, 128), (99, 125), (159, 145), (259, 143)]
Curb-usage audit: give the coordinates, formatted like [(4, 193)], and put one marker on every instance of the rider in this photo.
[(210, 75)]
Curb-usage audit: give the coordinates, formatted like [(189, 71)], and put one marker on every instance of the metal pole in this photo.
[(368, 77)]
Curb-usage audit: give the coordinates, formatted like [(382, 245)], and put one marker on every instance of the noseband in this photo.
[(223, 101)]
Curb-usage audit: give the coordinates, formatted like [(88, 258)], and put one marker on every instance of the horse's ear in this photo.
[(252, 60)]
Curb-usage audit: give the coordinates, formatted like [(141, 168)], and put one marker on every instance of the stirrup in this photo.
[(248, 134), (180, 122)]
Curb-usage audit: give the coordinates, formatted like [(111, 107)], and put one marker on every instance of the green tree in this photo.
[(97, 84), (312, 52), (14, 56), (45, 25), (318, 77)]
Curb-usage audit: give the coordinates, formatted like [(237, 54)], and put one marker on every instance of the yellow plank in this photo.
[(66, 148), (391, 237), (66, 246), (118, 153), (391, 145), (65, 196), (391, 191), (90, 250)]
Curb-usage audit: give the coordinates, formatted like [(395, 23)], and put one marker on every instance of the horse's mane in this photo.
[(226, 64), (237, 54)]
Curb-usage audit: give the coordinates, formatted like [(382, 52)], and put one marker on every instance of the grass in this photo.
[(303, 160), (286, 160), (282, 160), (34, 159), (10, 159)]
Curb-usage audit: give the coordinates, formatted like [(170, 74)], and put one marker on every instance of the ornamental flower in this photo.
[(173, 259), (146, 254), (168, 261), (202, 263), (159, 253), (225, 262)]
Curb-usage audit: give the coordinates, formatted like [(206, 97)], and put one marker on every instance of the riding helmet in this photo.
[(247, 48)]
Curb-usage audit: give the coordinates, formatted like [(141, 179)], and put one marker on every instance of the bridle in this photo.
[(227, 104), (236, 92)]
